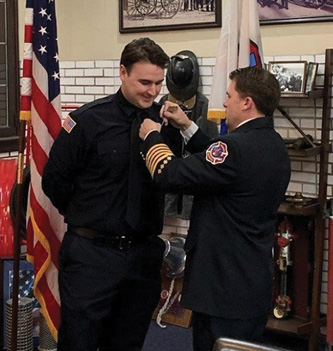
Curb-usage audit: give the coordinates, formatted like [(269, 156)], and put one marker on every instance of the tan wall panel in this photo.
[(89, 31)]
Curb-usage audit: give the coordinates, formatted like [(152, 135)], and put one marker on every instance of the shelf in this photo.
[(302, 152), (311, 326), (308, 152), (290, 325), (311, 209), (314, 94)]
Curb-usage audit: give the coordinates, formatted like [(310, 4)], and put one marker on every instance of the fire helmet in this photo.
[(174, 257), (182, 77)]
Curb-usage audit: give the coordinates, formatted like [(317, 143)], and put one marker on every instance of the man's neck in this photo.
[(248, 120)]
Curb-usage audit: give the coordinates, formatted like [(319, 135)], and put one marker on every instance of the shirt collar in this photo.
[(255, 123), (248, 120), (129, 109)]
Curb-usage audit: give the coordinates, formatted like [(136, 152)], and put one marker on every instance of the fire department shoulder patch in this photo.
[(217, 153)]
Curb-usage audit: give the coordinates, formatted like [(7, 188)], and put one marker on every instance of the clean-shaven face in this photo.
[(142, 84), (233, 104)]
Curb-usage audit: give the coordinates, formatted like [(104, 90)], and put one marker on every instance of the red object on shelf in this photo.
[(7, 179)]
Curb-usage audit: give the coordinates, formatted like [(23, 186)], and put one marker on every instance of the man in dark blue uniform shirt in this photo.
[(238, 182), (111, 255)]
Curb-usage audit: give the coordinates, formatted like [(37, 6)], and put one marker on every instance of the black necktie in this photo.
[(137, 172)]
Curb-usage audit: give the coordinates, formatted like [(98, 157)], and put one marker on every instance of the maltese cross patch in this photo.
[(217, 153)]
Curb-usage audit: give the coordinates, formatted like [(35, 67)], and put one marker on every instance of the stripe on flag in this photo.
[(239, 46), (40, 103)]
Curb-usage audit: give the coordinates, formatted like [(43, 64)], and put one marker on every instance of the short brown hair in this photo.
[(143, 50), (260, 85)]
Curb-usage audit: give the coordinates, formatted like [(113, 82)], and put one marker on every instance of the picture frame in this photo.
[(291, 76), (311, 76), (160, 15), (293, 11)]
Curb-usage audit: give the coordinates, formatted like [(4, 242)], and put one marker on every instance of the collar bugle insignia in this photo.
[(217, 153), (68, 124)]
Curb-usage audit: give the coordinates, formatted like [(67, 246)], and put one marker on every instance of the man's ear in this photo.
[(248, 103), (122, 72)]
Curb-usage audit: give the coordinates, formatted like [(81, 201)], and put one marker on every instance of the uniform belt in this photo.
[(118, 242)]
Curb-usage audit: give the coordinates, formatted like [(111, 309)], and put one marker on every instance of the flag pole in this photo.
[(17, 233), (19, 213)]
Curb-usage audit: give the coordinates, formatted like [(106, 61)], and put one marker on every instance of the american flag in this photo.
[(239, 46), (41, 105), (26, 281)]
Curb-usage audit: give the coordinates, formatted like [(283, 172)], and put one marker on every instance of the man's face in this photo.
[(142, 84), (234, 107)]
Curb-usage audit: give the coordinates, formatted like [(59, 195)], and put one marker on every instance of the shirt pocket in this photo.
[(114, 158)]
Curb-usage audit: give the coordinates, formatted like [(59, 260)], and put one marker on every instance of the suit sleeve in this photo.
[(198, 142), (213, 168), (66, 158)]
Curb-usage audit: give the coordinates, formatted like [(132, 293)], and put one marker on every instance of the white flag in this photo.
[(239, 46)]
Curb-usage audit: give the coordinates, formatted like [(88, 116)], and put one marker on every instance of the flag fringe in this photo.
[(44, 242)]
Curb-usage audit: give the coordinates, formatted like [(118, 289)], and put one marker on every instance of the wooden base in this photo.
[(176, 314), (292, 325)]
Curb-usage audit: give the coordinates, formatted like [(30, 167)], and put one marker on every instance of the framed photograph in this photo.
[(311, 76), (160, 15), (291, 76), (294, 11)]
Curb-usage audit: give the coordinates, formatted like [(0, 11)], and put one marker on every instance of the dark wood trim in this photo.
[(8, 135), (320, 223)]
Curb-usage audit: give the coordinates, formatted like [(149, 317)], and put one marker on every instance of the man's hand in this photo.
[(148, 126), (171, 112)]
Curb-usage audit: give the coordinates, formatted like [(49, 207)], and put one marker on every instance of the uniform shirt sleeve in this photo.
[(189, 132), (206, 171), (66, 158)]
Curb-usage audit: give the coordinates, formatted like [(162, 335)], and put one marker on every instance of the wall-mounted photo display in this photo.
[(311, 76), (161, 15), (294, 11), (291, 75)]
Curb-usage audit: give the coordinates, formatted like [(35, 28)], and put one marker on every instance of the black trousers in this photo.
[(107, 296), (207, 329)]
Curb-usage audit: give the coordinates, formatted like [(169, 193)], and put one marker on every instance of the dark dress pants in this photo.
[(107, 296), (207, 329)]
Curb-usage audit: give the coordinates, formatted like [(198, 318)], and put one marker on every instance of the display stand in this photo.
[(315, 211)]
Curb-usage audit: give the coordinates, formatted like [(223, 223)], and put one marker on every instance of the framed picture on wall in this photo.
[(311, 76), (294, 11), (291, 76), (160, 15)]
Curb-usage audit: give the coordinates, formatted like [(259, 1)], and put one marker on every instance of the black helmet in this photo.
[(182, 77)]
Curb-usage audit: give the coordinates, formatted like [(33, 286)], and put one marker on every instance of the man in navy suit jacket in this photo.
[(238, 181)]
